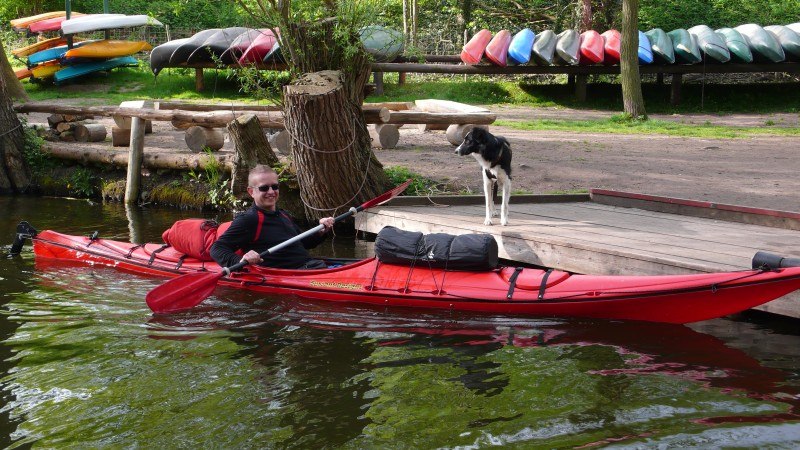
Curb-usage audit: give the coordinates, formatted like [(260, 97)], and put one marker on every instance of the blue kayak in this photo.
[(79, 70), (51, 53), (645, 51), (519, 51)]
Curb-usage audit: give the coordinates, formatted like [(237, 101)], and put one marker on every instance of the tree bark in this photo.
[(632, 98), (251, 147), (330, 145), (14, 173), (13, 88)]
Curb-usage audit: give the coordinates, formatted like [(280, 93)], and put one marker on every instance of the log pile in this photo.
[(71, 128)]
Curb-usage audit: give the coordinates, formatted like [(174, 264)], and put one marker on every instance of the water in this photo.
[(85, 364)]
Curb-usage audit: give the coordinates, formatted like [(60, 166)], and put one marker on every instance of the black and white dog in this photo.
[(493, 153)]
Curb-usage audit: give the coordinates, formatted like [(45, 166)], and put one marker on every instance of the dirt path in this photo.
[(759, 172)]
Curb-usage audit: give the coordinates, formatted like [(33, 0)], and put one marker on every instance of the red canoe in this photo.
[(591, 48), (497, 50), (258, 48), (53, 24), (611, 44), (505, 290), (473, 50)]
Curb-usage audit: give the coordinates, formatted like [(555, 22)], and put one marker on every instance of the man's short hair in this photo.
[(259, 169)]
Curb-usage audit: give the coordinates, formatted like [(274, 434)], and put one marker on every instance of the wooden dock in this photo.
[(608, 232)]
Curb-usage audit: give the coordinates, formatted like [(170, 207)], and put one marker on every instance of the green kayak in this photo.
[(788, 38), (737, 45), (712, 46), (762, 43), (685, 47), (663, 51)]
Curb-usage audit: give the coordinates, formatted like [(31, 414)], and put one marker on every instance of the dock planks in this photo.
[(595, 238)]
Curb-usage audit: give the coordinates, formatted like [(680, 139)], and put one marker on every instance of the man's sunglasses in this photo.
[(266, 187)]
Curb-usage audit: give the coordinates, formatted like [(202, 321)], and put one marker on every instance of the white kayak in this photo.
[(788, 38), (95, 22)]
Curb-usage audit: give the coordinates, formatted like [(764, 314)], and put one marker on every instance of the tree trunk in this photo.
[(586, 15), (251, 147), (13, 88), (14, 173), (632, 98), (330, 145)]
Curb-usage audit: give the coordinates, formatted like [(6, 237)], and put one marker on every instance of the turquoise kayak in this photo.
[(737, 45), (762, 43), (51, 53), (645, 51), (80, 70), (519, 51), (712, 46), (788, 38), (661, 44), (685, 47)]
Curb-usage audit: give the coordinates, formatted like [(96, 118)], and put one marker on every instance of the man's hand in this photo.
[(252, 257), (327, 224)]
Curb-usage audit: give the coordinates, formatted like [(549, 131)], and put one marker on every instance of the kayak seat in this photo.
[(531, 279)]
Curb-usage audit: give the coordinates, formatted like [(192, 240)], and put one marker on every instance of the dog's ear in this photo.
[(480, 135)]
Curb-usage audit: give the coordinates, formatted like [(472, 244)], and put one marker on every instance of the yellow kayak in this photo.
[(25, 22), (41, 45), (108, 49), (46, 70)]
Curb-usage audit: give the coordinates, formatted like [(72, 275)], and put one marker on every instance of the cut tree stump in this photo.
[(199, 138), (457, 132), (279, 141), (251, 147), (120, 137), (90, 132), (384, 136), (64, 126), (54, 119)]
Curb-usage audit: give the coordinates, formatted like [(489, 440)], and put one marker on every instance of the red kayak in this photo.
[(591, 48), (611, 46), (259, 47), (474, 49), (497, 49), (503, 290)]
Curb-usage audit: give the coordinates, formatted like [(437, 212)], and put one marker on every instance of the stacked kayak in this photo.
[(699, 44), (232, 45), (387, 283), (56, 59)]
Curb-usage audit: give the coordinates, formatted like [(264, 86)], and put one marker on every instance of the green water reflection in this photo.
[(86, 365)]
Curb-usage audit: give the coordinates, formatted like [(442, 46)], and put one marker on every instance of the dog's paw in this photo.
[(488, 221), (503, 222)]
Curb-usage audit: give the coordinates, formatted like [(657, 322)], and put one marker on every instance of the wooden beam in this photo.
[(151, 160), (199, 83), (787, 67), (441, 118)]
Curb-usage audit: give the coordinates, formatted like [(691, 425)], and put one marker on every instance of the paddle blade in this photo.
[(386, 196), (184, 292)]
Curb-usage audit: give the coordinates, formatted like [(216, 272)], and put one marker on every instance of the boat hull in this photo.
[(685, 47), (519, 51), (672, 298), (591, 48), (611, 46), (79, 70), (661, 44), (737, 45), (762, 43), (712, 46), (544, 47), (108, 49), (568, 47), (497, 49), (474, 49)]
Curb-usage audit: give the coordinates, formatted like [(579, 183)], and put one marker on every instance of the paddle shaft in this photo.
[(301, 236)]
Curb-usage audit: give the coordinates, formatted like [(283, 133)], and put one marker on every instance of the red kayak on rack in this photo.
[(611, 46), (501, 290), (591, 48), (497, 49)]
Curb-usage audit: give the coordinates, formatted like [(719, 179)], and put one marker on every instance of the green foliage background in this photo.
[(447, 17)]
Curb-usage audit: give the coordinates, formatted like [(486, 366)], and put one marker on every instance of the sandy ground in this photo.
[(759, 172)]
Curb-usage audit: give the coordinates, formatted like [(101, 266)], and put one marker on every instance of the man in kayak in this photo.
[(265, 225)]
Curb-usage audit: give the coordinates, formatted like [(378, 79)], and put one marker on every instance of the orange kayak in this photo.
[(108, 49), (41, 45), (25, 22), (22, 73)]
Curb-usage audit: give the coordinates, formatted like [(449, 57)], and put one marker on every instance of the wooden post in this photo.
[(378, 77), (580, 87), (199, 84), (135, 156), (675, 92), (660, 78), (401, 78)]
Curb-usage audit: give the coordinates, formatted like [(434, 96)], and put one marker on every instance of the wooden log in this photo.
[(135, 156), (441, 118), (457, 132), (391, 106), (447, 106), (251, 148), (200, 138), (152, 160), (54, 119), (384, 135), (90, 132), (125, 122), (432, 126), (64, 126), (66, 136), (235, 107), (280, 141), (120, 137)]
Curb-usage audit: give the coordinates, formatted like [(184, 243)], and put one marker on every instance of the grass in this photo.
[(652, 126)]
